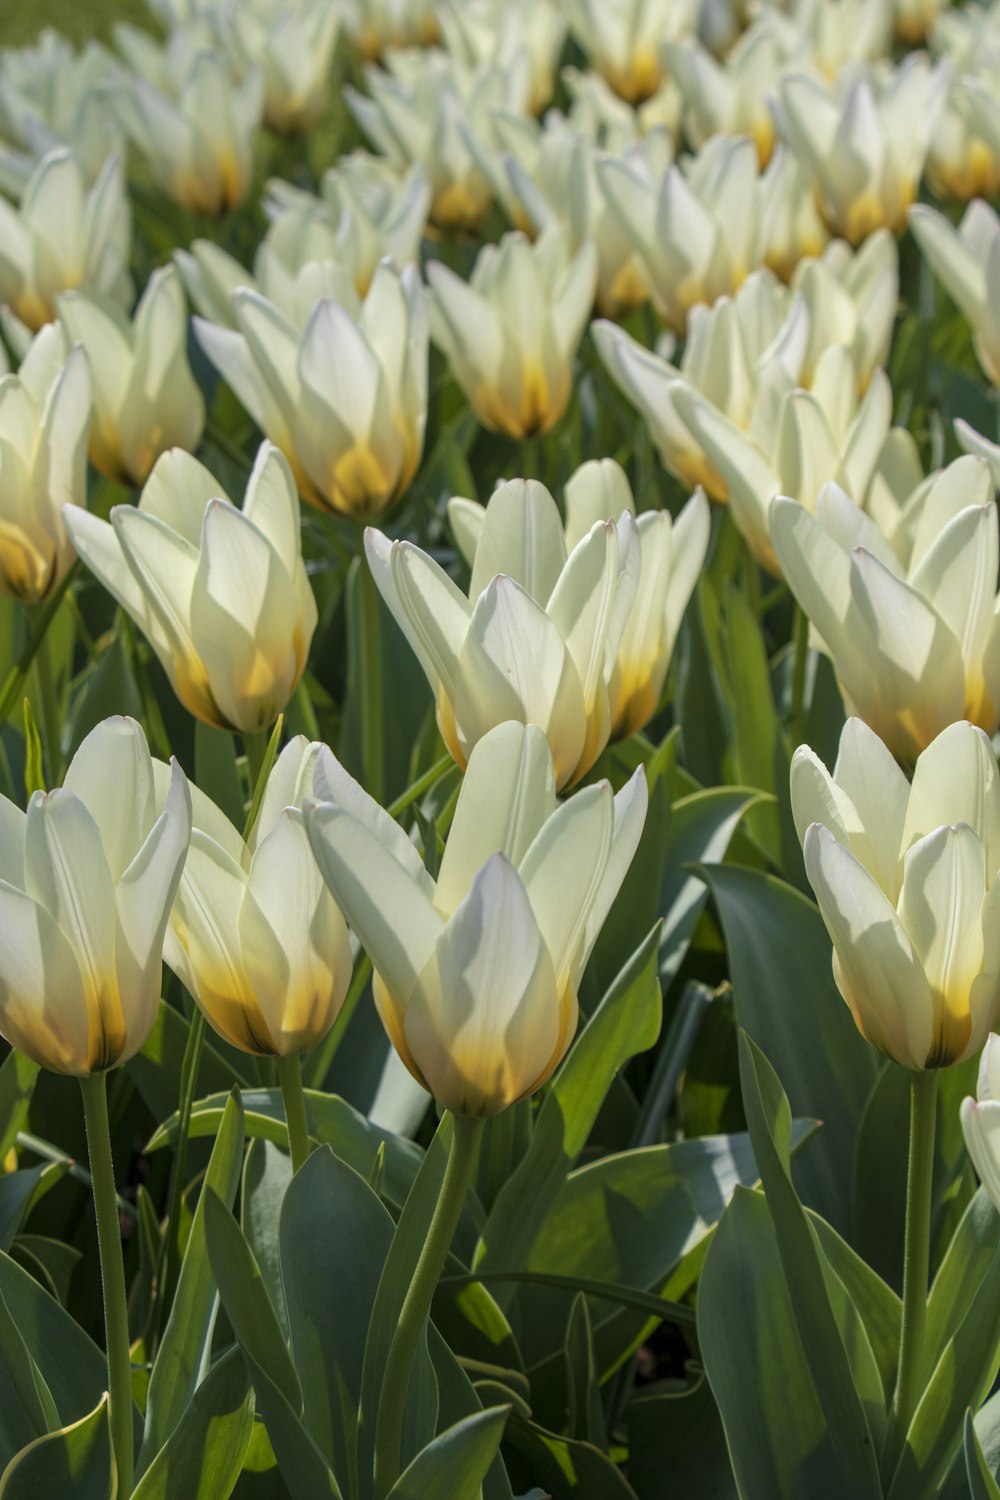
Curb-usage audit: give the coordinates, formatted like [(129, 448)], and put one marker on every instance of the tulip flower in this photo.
[(973, 442), (255, 936), (64, 235), (496, 31), (731, 98), (476, 973), (377, 26), (966, 261), (145, 397), (865, 150), (906, 881), (371, 211), (195, 125), (623, 39), (346, 400), (87, 880), (913, 631), (220, 593), (296, 265), (697, 232), (537, 638), (52, 96), (735, 355), (792, 229), (293, 48), (915, 19), (672, 553), (964, 157), (832, 37), (802, 440), (511, 332), (45, 413), (852, 297), (981, 1118)]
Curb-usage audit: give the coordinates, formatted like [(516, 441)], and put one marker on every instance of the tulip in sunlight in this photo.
[(477, 972), (906, 881), (255, 935), (87, 878), (538, 636), (220, 593), (966, 261), (981, 1120)]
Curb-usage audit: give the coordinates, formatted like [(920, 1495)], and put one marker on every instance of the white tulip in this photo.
[(981, 1120), (966, 261)]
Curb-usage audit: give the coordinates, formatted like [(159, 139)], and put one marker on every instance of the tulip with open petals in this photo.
[(146, 399), (537, 638), (623, 39), (511, 332), (87, 878), (913, 629), (906, 877), (476, 973), (255, 935), (45, 412), (220, 593)]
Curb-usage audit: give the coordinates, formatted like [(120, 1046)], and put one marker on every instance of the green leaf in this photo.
[(674, 1428), (967, 1262), (17, 1192), (787, 1002), (34, 773), (585, 1415), (75, 1461), (453, 1466), (71, 1365), (458, 1398), (202, 1458), (187, 1338), (981, 1482), (846, 1375), (626, 1022), (267, 1172), (567, 1469), (216, 771), (251, 1316), (18, 1077), (27, 1410), (701, 827), (760, 752)]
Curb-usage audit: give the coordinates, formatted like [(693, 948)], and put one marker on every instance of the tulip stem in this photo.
[(49, 708), (916, 1258), (369, 660), (290, 1078), (417, 1303), (109, 1240), (800, 660)]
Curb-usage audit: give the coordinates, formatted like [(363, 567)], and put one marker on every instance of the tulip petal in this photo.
[(955, 780), (272, 504), (629, 817), (870, 776), (12, 831), (43, 1012), (562, 873), (333, 784), (958, 573), (981, 1128), (112, 775), (522, 537), (433, 614), (66, 871)]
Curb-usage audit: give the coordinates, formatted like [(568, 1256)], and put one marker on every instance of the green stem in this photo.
[(170, 1258), (49, 707), (39, 620), (290, 1078), (255, 749), (800, 637), (916, 1257), (109, 1240), (530, 457), (417, 1303), (370, 666)]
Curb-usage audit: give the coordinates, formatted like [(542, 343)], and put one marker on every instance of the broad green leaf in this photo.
[(567, 1469), (981, 1482), (216, 772), (27, 1410), (585, 1415), (702, 824), (626, 1022), (267, 1172), (76, 1460), (787, 1002), (202, 1458), (18, 1076), (458, 1398), (674, 1429), (183, 1351), (18, 1191), (760, 751), (453, 1466), (878, 1306), (71, 1365), (968, 1259)]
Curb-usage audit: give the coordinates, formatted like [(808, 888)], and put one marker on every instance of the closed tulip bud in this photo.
[(220, 593), (293, 48), (735, 355), (538, 636), (802, 441), (731, 98), (345, 400), (510, 333), (835, 35), (45, 412), (697, 231), (623, 39), (145, 397), (255, 936), (296, 265), (87, 878), (863, 149), (195, 125), (913, 630), (792, 228), (964, 157), (64, 235), (981, 1121), (966, 261), (373, 213), (476, 973), (906, 881), (852, 297)]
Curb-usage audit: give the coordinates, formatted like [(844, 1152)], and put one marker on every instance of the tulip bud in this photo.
[(981, 1120), (145, 397), (496, 31), (345, 401), (220, 593), (378, 26), (966, 261), (255, 936), (295, 267), (906, 881), (852, 299), (913, 629), (45, 413), (511, 332), (477, 973), (87, 878), (294, 51), (964, 157), (64, 235), (53, 96), (623, 39), (792, 230), (538, 637), (731, 98)]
